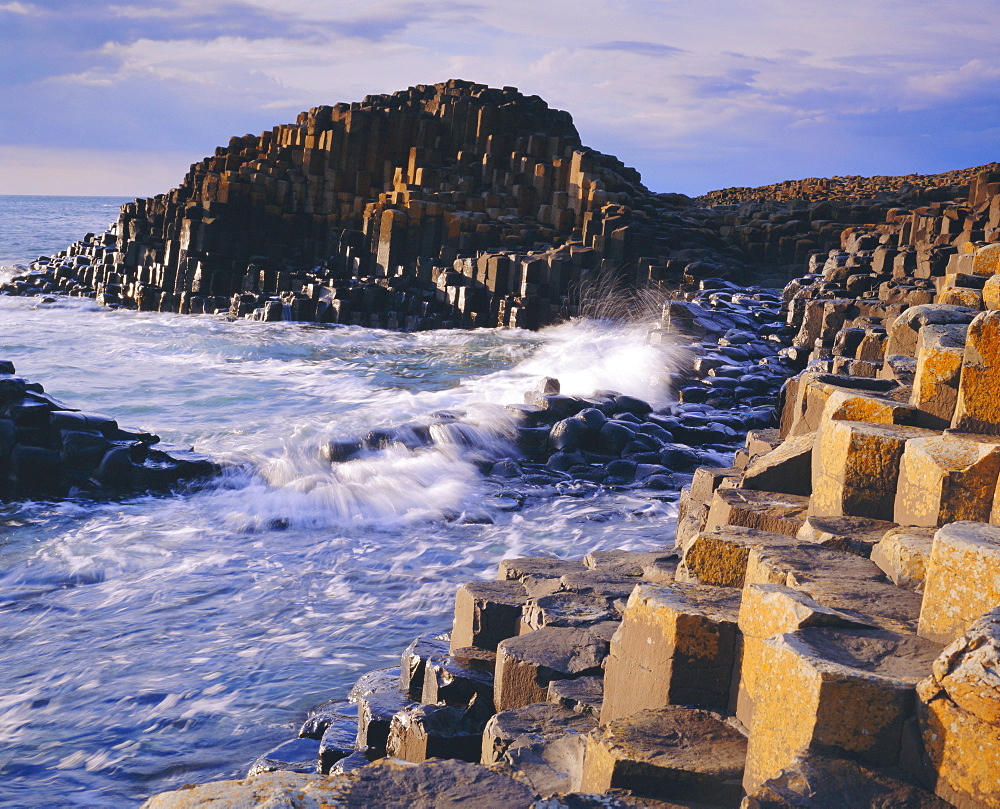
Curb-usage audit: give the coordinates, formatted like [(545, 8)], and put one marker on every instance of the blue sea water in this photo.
[(39, 226), (160, 641)]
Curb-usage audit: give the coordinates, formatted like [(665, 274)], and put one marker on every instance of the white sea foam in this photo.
[(407, 485), (168, 629)]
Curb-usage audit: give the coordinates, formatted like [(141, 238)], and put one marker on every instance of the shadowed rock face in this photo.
[(50, 449), (440, 205)]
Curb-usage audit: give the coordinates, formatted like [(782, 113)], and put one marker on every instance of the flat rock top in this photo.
[(599, 582), (808, 561), (373, 681), (818, 782), (434, 784), (625, 563), (884, 604), (719, 604), (893, 432), (542, 719), (566, 649), (841, 526), (538, 566), (972, 536), (676, 737), (877, 651), (505, 591), (762, 500), (582, 695), (747, 536)]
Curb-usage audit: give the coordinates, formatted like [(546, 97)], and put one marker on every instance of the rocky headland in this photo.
[(821, 628)]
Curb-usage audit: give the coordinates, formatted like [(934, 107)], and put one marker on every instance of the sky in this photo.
[(120, 98)]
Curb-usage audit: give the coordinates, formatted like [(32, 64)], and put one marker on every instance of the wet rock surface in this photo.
[(823, 629), (49, 449)]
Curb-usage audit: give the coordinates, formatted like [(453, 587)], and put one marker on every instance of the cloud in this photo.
[(969, 78), (742, 92), (637, 48)]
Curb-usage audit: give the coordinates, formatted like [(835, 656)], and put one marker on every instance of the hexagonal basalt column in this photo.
[(846, 692), (856, 466), (676, 645), (527, 664), (947, 478), (978, 406), (765, 611), (939, 364), (486, 612), (675, 753), (959, 712), (963, 579)]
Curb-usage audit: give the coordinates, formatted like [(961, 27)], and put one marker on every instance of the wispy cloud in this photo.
[(695, 93), (637, 48), (18, 8)]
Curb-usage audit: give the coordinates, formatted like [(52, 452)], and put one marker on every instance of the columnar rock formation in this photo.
[(825, 629), (50, 449), (451, 205)]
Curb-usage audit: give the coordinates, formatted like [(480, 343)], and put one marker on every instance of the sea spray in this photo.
[(404, 481), (164, 641)]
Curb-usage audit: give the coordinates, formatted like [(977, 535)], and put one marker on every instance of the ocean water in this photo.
[(39, 226), (159, 641)]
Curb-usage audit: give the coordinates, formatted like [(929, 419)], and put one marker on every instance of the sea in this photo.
[(158, 641)]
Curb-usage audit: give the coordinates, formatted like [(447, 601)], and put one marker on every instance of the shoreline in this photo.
[(791, 561), (823, 622)]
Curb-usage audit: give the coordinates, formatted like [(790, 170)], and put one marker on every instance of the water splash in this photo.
[(412, 481)]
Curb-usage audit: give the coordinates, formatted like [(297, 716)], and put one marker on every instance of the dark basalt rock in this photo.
[(48, 449)]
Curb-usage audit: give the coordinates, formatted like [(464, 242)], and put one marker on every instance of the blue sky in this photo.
[(121, 98)]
